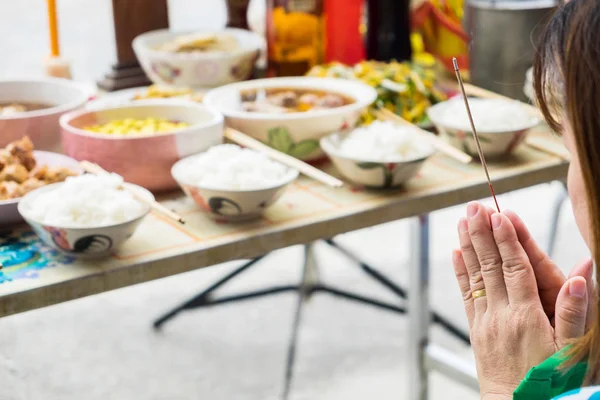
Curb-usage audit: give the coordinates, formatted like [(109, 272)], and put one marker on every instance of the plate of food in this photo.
[(23, 169)]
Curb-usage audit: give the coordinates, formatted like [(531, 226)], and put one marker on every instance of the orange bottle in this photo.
[(295, 36)]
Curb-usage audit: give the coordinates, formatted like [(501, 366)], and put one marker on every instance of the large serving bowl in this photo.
[(495, 143), (144, 160), (296, 134), (88, 242), (9, 213), (197, 70), (231, 205), (372, 173), (40, 125)]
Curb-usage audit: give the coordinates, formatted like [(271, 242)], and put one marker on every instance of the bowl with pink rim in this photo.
[(9, 214), (142, 159), (52, 98)]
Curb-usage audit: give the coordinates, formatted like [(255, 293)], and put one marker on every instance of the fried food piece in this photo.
[(14, 172), (31, 184), (57, 174), (10, 190), (23, 151)]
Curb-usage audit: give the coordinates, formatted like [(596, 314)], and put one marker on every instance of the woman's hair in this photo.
[(567, 86)]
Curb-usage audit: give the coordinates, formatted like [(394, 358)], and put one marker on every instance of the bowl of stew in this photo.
[(32, 107), (292, 114)]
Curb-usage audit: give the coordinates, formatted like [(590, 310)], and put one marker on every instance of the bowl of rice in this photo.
[(379, 155), (231, 183), (141, 141), (87, 216), (502, 125)]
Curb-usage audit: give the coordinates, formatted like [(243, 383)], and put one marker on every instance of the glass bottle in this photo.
[(237, 14), (388, 30), (295, 36)]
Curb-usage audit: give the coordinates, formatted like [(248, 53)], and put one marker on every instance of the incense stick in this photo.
[(475, 136)]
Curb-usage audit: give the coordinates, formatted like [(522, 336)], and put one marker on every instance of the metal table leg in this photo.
[(419, 314)]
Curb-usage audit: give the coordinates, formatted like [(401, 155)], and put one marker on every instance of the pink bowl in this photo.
[(40, 125), (143, 160)]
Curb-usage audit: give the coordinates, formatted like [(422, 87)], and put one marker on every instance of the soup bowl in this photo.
[(142, 159), (56, 96), (293, 133), (197, 69)]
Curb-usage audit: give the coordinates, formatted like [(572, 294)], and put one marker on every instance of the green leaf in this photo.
[(369, 165), (304, 148), (279, 139)]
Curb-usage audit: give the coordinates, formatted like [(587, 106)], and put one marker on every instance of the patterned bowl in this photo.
[(494, 143), (144, 160), (9, 213), (370, 173), (231, 205), (296, 134), (197, 70), (83, 242), (40, 125)]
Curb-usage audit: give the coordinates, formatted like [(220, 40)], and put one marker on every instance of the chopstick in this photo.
[(451, 151), (308, 170), (156, 206), (541, 145)]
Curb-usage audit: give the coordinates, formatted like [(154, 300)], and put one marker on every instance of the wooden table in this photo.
[(307, 212)]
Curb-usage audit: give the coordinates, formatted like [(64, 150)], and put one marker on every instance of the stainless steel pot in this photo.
[(503, 34)]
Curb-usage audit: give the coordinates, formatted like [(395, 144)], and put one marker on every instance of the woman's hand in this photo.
[(510, 330)]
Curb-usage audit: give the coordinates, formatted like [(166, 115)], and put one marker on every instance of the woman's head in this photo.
[(567, 85)]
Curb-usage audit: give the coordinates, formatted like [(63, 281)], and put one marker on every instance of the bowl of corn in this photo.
[(141, 141)]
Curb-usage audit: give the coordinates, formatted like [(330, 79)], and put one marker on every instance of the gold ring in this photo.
[(478, 293)]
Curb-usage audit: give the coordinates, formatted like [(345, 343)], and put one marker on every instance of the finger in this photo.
[(585, 269), (521, 285), (571, 310), (472, 265), (460, 270), (549, 277), (488, 255)]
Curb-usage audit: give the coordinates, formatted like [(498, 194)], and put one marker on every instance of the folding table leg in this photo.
[(419, 313), (309, 279)]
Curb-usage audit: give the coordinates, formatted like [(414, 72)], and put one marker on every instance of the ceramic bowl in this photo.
[(9, 214), (83, 242), (231, 205), (144, 160), (495, 143), (197, 70), (40, 125), (296, 134), (372, 173)]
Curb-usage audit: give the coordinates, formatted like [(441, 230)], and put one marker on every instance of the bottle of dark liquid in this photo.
[(295, 36), (388, 30), (237, 14)]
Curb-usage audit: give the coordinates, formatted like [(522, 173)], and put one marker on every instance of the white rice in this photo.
[(229, 167), (85, 201), (489, 115), (383, 142)]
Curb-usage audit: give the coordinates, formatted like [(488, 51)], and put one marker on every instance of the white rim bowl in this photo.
[(225, 98)]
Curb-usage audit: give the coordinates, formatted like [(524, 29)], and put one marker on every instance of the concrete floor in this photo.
[(102, 347)]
